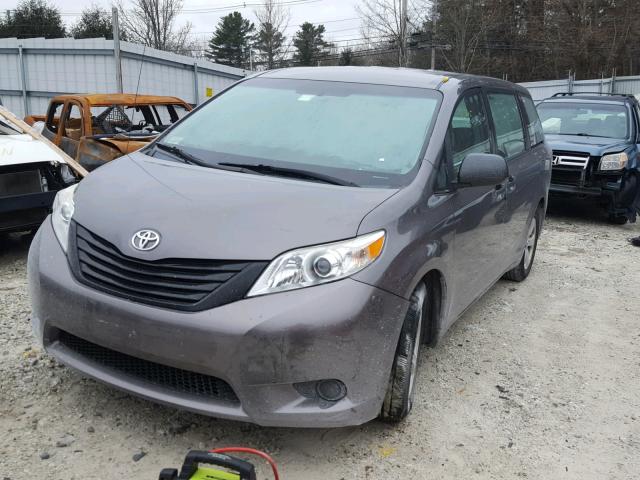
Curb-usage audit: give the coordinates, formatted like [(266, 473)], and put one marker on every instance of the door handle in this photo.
[(499, 192)]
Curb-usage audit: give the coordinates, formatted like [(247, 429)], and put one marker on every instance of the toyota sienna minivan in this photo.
[(280, 254)]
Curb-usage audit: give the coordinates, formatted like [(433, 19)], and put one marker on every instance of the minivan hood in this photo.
[(594, 146), (215, 214)]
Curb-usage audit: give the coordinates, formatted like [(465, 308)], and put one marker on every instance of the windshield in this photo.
[(7, 128), (369, 135), (593, 119)]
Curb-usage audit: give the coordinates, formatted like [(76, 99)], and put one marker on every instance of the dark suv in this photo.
[(280, 254), (595, 149)]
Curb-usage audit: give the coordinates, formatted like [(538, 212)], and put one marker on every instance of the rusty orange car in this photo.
[(96, 128)]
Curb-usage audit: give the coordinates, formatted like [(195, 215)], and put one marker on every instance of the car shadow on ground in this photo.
[(577, 210), (14, 246)]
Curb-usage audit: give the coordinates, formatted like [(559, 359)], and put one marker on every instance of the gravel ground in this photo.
[(538, 380)]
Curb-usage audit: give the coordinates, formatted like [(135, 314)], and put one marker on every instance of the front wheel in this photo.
[(399, 397), (519, 273)]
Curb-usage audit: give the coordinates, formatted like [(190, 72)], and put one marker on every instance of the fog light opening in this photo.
[(331, 390)]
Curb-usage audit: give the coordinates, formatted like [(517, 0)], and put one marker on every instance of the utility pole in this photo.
[(434, 19), (403, 56), (116, 48)]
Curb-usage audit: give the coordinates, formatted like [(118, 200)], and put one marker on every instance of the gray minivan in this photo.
[(279, 255)]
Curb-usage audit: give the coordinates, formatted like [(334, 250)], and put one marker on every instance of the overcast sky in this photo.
[(339, 16)]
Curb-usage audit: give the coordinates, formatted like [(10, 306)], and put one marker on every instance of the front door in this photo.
[(479, 238)]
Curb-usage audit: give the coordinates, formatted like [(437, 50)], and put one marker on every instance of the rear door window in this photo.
[(534, 126), (507, 123), (468, 130)]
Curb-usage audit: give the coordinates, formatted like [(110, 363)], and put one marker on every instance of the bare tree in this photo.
[(464, 24), (382, 25), (152, 23), (273, 20)]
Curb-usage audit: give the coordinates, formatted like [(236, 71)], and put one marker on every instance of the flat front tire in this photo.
[(398, 400)]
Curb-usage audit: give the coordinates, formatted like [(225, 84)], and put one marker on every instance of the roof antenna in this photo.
[(135, 97)]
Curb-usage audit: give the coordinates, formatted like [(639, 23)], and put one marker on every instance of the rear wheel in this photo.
[(519, 273), (399, 398)]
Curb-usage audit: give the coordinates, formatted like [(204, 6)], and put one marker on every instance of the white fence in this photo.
[(32, 71), (545, 89)]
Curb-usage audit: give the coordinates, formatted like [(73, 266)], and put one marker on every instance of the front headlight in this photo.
[(320, 264), (614, 161), (63, 207)]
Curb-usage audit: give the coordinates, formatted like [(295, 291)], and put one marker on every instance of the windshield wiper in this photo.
[(193, 160), (582, 134), (291, 172)]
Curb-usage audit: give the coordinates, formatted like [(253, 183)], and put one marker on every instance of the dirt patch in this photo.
[(538, 380)]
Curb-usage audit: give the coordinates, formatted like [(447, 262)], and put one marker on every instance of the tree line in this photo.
[(516, 39)]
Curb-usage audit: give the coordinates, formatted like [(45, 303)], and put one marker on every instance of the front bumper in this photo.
[(260, 346), (594, 185), (24, 211)]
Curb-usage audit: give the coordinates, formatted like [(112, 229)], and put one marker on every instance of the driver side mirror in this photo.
[(482, 170)]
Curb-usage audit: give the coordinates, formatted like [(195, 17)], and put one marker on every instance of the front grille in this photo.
[(569, 168), (181, 284), (567, 176), (168, 378)]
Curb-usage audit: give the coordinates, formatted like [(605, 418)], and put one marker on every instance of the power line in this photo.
[(291, 3)]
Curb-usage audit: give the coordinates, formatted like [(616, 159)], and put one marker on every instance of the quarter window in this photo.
[(468, 130), (508, 124), (534, 126)]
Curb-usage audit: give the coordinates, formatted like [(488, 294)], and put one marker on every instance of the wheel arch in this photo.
[(435, 281)]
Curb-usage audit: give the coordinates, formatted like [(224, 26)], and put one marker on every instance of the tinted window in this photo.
[(507, 123), (588, 119), (534, 126), (468, 130), (371, 135)]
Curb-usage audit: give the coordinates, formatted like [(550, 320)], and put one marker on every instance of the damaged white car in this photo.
[(31, 173)]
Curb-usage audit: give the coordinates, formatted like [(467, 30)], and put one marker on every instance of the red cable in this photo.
[(251, 451)]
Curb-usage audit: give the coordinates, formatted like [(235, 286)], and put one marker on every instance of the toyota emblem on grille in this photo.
[(145, 240)]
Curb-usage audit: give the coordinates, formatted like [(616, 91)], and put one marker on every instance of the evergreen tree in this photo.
[(272, 20), (95, 22), (230, 40), (346, 57), (309, 44), (33, 18), (269, 42)]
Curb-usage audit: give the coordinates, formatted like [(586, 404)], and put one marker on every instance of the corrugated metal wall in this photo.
[(67, 65), (545, 89)]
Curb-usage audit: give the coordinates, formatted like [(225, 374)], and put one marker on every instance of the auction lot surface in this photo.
[(538, 380)]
